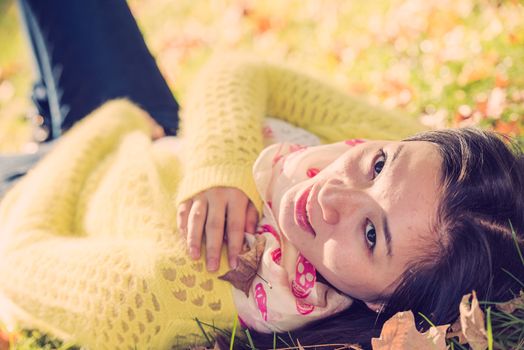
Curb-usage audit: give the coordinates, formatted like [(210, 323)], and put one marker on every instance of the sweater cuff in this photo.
[(236, 176)]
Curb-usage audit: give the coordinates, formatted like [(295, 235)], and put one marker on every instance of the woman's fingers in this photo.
[(195, 226), (236, 218), (182, 216), (215, 232), (251, 218), (217, 212)]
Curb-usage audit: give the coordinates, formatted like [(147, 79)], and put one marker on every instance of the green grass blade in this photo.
[(233, 333), (251, 345), (426, 319), (516, 242), (291, 338), (489, 330), (515, 278), (209, 342), (283, 341)]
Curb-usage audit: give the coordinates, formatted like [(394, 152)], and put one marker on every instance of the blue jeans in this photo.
[(87, 52)]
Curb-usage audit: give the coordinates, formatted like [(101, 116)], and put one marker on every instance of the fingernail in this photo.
[(233, 263), (212, 264), (195, 253)]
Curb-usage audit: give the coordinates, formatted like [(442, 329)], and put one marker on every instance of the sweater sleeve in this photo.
[(87, 247), (223, 118), (75, 155)]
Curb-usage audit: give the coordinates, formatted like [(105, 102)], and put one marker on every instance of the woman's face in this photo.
[(365, 216)]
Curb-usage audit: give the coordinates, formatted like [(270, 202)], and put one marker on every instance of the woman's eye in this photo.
[(380, 161), (371, 235)]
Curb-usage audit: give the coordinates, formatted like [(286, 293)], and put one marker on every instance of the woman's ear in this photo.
[(375, 306)]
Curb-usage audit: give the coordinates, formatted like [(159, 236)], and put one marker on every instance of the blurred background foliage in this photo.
[(447, 62)]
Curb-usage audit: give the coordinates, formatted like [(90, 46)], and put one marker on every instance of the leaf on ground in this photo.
[(472, 322), (242, 276), (513, 304), (456, 331), (400, 333), (4, 341)]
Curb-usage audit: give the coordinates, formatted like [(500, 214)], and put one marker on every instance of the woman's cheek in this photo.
[(340, 257)]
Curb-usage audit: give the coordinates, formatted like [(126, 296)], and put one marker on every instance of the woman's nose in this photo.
[(338, 199)]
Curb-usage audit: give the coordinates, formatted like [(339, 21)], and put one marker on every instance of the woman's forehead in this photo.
[(410, 196)]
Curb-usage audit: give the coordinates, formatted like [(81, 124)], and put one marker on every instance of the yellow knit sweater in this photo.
[(88, 248)]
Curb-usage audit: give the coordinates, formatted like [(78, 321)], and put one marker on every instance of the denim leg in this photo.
[(87, 52)]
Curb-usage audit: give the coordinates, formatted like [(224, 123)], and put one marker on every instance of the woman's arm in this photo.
[(95, 280), (232, 95), (45, 199), (222, 125)]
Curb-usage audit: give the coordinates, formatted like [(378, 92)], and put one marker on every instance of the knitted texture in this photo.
[(88, 245)]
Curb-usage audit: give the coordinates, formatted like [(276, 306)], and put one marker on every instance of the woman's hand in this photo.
[(157, 131), (223, 213)]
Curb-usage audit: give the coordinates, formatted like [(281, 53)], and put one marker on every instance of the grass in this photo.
[(448, 63)]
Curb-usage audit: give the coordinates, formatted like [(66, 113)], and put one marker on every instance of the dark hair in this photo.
[(482, 197)]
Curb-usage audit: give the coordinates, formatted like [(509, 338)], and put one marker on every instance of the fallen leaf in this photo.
[(507, 128), (243, 275), (455, 330), (513, 304), (354, 347), (400, 333), (4, 341), (496, 102), (472, 322)]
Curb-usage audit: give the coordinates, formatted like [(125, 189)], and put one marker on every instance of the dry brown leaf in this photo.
[(354, 347), (456, 331), (4, 341), (472, 322), (243, 275), (513, 304), (400, 333)]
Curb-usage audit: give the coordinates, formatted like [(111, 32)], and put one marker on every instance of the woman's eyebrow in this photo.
[(387, 232)]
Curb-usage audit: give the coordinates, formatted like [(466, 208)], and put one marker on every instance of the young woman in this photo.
[(89, 250), (410, 225)]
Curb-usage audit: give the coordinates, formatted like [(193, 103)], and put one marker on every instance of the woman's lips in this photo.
[(301, 217)]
